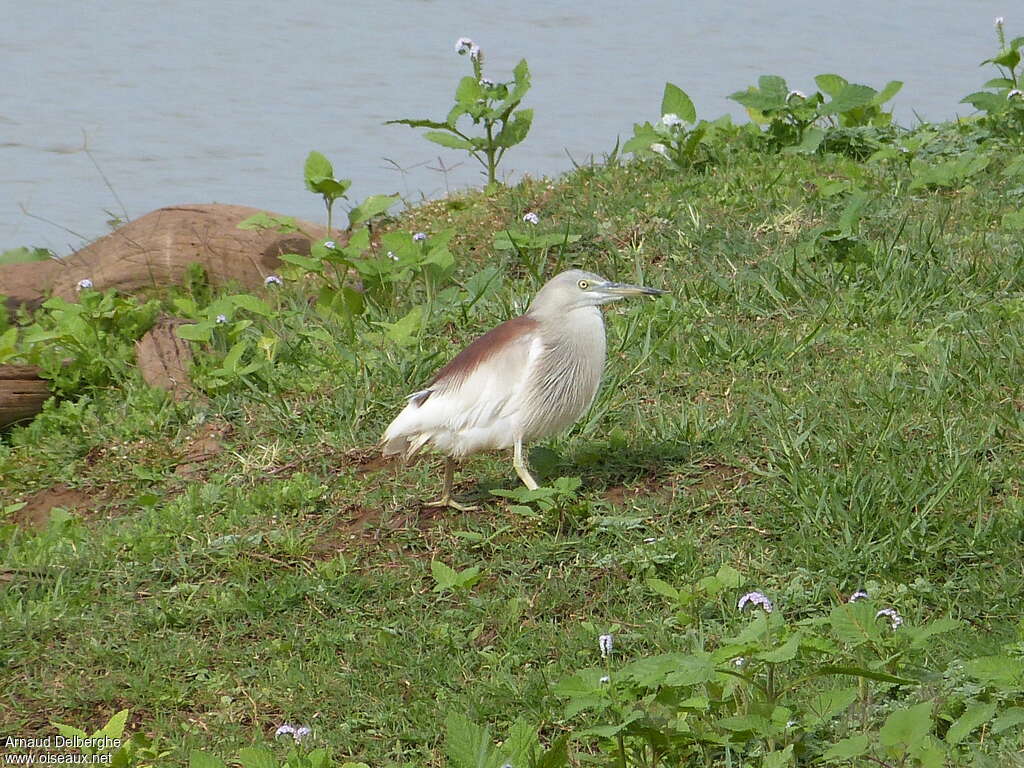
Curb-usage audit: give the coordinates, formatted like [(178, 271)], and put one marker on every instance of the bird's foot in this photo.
[(448, 501)]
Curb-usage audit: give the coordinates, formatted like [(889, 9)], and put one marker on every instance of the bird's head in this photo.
[(576, 288)]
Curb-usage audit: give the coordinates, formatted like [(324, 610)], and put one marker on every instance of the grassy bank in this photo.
[(830, 400)]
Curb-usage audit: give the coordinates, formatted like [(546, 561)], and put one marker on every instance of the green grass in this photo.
[(820, 414)]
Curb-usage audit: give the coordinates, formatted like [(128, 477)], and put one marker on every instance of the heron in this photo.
[(528, 378)]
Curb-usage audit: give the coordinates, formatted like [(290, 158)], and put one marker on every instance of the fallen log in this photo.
[(22, 393)]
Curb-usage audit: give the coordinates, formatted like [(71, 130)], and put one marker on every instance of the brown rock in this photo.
[(164, 358), (156, 249)]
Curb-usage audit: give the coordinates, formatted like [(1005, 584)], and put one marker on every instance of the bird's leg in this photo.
[(446, 499), (521, 469)]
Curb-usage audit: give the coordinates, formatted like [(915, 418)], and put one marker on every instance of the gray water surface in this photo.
[(193, 101)]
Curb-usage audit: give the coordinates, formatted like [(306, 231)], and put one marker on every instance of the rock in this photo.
[(156, 250)]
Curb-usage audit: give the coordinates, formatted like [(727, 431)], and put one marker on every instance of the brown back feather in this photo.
[(482, 349)]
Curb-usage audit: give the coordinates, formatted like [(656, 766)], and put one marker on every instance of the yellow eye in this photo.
[(583, 284)]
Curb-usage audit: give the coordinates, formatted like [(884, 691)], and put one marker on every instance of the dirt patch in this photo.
[(36, 513), (207, 444)]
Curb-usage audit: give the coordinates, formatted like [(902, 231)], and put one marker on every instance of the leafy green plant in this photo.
[(468, 745), (799, 123), (492, 105), (233, 346), (449, 580), (86, 343), (670, 138), (109, 746), (1003, 102), (774, 690)]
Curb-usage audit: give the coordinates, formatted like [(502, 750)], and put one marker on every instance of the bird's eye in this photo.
[(583, 284)]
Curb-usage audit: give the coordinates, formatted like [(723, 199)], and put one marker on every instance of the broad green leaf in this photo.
[(403, 331), (370, 207), (831, 84), (778, 759), (446, 139), (515, 130), (204, 760), (850, 97), (854, 623), (234, 356), (762, 726), (317, 167), (650, 672), (785, 652), (729, 577), (975, 715), (444, 575), (812, 138), (557, 755), (520, 745), (256, 757), (114, 727), (251, 303), (662, 588), (306, 262), (194, 331), (921, 635), (847, 749), (823, 706), (692, 670), (677, 102), (891, 89), (985, 101), (469, 91), (1011, 718), (907, 727), (467, 744)]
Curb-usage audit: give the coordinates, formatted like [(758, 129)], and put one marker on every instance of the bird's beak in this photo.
[(625, 289)]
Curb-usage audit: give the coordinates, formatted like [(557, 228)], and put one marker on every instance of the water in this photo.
[(191, 101)]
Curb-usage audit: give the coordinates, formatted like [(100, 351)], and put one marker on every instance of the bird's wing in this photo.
[(472, 402)]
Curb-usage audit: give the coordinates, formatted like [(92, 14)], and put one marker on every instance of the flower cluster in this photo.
[(605, 643), (297, 732), (272, 280), (83, 284), (895, 620), (755, 599), (531, 218)]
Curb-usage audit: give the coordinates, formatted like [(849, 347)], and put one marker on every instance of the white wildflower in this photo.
[(474, 52), (671, 119), (895, 620), (604, 680), (285, 729), (605, 643), (755, 598), (391, 255), (419, 237), (84, 283), (860, 594), (795, 94), (221, 319), (486, 82), (302, 732), (999, 21), (739, 661), (1014, 94), (531, 218), (329, 244), (463, 45), (273, 280)]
